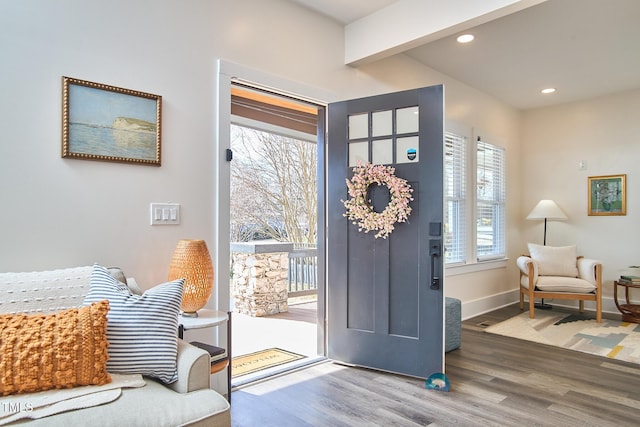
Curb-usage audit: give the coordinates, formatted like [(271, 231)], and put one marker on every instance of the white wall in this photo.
[(604, 133), (60, 212)]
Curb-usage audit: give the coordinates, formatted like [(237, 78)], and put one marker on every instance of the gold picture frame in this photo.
[(108, 123), (607, 195)]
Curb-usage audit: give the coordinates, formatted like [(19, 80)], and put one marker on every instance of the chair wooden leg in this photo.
[(521, 300), (532, 307)]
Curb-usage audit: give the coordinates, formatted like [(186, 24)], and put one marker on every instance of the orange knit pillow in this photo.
[(60, 350)]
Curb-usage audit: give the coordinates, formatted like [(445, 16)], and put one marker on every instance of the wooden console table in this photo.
[(630, 312)]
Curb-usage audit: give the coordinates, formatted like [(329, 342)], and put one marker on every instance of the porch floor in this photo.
[(295, 331)]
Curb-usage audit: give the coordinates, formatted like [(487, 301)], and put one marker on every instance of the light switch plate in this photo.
[(164, 213)]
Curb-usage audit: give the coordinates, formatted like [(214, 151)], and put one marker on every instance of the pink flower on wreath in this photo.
[(359, 209)]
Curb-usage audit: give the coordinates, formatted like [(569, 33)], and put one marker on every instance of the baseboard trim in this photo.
[(489, 303)]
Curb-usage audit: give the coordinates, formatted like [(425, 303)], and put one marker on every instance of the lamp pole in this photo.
[(546, 209)]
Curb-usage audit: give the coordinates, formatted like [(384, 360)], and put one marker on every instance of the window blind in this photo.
[(455, 222), (490, 201)]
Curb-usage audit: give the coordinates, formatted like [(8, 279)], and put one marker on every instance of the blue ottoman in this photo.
[(452, 324)]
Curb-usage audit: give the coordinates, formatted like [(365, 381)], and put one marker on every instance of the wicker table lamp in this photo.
[(191, 261)]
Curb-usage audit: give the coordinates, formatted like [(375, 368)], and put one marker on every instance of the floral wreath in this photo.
[(359, 208)]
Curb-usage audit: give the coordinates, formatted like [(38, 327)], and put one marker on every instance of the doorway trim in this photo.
[(227, 74)]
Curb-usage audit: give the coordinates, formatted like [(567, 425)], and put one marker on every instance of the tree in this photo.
[(273, 187)]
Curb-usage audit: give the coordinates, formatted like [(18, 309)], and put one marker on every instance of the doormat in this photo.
[(611, 338), (254, 362)]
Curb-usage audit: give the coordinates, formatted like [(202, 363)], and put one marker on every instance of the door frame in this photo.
[(227, 74)]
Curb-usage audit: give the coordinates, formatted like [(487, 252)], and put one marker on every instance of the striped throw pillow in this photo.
[(142, 330)]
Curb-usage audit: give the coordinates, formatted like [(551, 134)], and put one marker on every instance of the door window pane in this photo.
[(382, 123), (382, 152), (407, 119), (358, 151), (359, 126), (407, 150)]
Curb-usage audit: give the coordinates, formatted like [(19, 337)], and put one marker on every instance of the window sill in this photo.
[(454, 270)]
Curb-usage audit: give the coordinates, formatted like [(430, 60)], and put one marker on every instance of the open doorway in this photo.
[(275, 183)]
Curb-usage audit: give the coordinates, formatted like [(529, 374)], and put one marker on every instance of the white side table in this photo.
[(206, 319), (210, 319)]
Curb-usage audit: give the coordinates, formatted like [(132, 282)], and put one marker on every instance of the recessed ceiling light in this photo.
[(548, 90), (465, 38)]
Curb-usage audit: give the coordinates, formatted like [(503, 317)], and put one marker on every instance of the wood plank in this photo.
[(495, 380)]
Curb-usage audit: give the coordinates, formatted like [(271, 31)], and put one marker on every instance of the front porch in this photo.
[(274, 301), (294, 331)]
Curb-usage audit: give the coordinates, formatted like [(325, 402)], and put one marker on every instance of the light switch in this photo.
[(165, 213)]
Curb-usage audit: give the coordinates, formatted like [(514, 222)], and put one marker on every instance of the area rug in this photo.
[(254, 362), (612, 339)]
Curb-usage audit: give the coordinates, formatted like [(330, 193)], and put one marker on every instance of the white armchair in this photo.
[(558, 273)]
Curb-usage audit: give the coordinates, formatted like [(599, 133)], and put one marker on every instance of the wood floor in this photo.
[(495, 381)]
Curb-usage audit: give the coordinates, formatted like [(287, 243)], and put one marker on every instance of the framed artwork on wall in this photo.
[(608, 195), (101, 122)]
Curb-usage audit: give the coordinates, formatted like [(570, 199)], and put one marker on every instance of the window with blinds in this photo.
[(455, 197), (490, 201)]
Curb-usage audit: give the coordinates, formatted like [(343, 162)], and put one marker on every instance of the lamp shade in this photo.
[(547, 209), (191, 261)]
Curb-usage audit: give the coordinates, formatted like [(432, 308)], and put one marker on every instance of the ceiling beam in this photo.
[(406, 24)]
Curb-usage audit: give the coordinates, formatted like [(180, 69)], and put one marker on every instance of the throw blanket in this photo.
[(45, 403)]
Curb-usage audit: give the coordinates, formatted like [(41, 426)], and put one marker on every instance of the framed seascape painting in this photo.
[(101, 122), (608, 195)]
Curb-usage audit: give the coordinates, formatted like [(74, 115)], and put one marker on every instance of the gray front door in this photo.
[(385, 298)]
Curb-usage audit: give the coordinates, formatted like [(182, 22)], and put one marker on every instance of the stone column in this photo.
[(260, 277)]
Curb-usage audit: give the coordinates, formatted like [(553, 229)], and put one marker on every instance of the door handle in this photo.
[(435, 252)]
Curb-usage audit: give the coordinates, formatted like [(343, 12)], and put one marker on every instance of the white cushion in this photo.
[(43, 291), (142, 330), (555, 260), (564, 284)]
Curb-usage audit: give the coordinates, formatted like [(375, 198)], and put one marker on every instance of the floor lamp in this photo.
[(546, 209)]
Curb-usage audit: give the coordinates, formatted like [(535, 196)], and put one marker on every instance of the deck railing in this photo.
[(303, 272)]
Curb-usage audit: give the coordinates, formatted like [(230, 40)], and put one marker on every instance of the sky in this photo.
[(100, 107)]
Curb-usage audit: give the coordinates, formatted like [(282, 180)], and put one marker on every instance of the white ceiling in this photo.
[(584, 48), (345, 11)]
